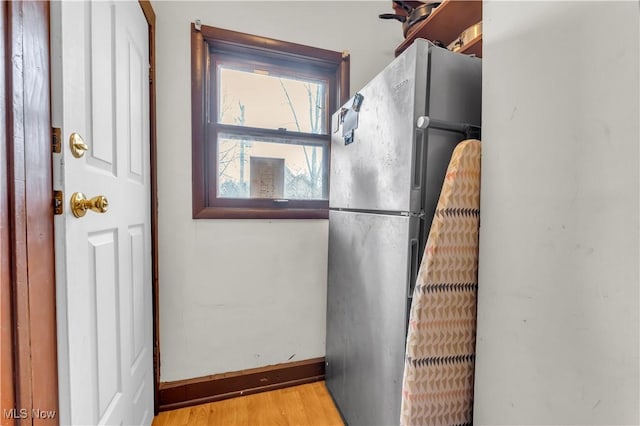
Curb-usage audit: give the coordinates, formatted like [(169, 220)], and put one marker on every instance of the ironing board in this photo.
[(437, 386)]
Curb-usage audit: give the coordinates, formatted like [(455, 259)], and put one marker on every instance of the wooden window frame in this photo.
[(207, 40)]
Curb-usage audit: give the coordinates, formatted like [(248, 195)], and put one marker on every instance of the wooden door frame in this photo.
[(28, 345), (7, 385), (150, 16), (29, 237)]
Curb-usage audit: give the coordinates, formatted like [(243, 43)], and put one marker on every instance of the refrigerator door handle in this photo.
[(418, 158), (468, 130), (413, 265)]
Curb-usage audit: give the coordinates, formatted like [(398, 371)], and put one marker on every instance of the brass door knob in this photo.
[(80, 204), (77, 145)]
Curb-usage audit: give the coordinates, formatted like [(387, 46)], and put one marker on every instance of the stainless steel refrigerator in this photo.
[(385, 180)]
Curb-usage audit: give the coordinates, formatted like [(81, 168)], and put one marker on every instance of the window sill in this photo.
[(258, 213)]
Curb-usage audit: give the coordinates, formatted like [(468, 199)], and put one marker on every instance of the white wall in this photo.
[(558, 280), (237, 294)]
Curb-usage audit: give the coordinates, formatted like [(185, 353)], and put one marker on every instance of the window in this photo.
[(261, 114)]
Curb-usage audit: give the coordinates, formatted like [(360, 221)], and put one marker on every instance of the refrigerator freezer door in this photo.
[(455, 94), (377, 170), (455, 87), (370, 262)]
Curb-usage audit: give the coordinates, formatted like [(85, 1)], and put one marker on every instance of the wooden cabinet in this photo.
[(446, 22)]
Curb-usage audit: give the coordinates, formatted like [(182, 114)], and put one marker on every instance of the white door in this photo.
[(100, 90)]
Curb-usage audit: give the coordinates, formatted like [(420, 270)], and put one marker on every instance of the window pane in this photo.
[(258, 99), (267, 168)]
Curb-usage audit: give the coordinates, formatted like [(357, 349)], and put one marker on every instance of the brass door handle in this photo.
[(80, 204), (77, 145)]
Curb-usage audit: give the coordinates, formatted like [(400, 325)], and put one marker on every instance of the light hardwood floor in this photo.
[(305, 405)]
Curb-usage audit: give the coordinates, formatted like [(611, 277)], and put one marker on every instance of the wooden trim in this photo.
[(150, 16), (345, 67), (31, 208), (39, 203), (198, 120), (254, 213), (217, 387), (234, 39), (258, 204), (17, 206), (8, 382)]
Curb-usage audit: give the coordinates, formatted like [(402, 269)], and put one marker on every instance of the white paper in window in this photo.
[(267, 177)]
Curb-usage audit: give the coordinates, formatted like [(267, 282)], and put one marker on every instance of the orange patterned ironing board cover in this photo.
[(437, 386)]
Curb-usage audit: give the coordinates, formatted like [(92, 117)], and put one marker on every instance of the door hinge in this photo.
[(58, 202), (56, 140)]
